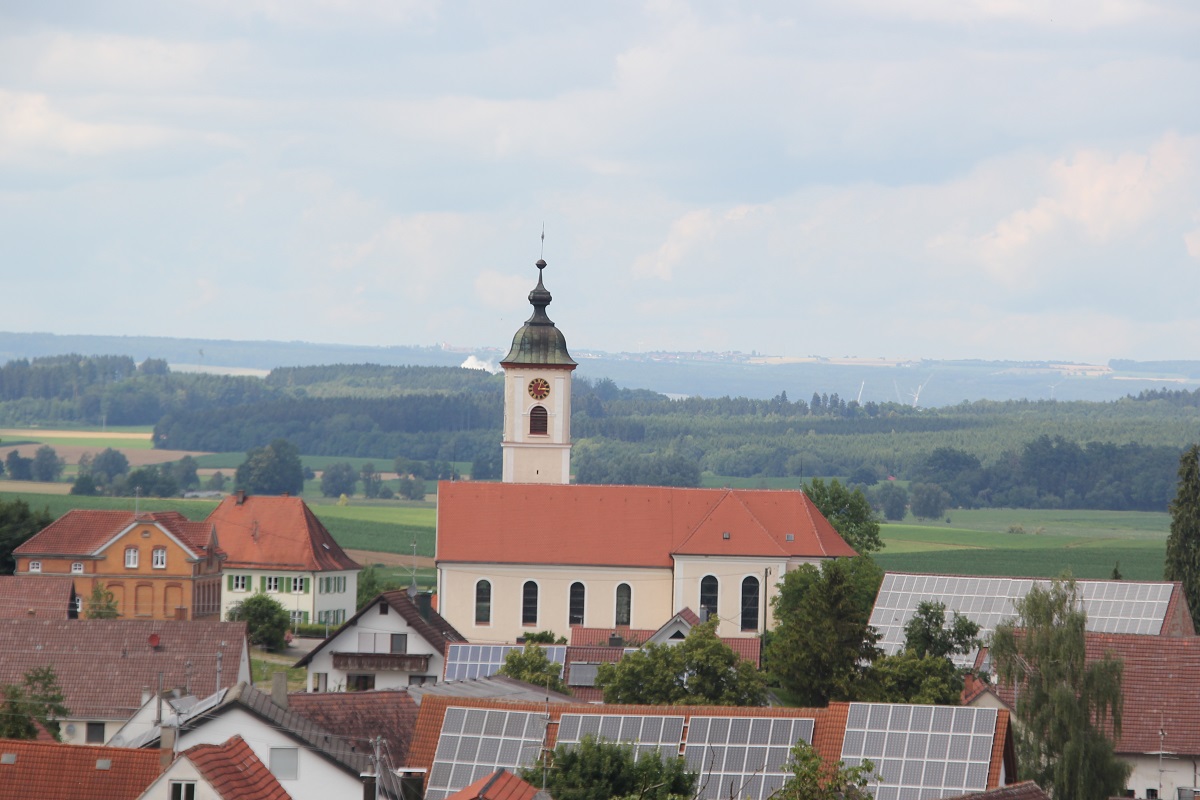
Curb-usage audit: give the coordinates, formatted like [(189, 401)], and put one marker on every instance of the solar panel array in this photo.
[(1111, 606), (470, 661), (742, 757), (921, 752), (476, 742), (583, 674), (649, 734)]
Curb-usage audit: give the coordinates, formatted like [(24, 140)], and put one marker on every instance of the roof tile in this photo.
[(36, 596), (234, 772), (71, 772), (258, 531)]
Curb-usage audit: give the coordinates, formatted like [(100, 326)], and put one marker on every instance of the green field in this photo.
[(1089, 543)]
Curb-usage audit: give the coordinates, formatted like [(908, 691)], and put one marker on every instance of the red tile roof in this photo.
[(1159, 690), (598, 637), (234, 772), (261, 532), (1025, 790), (637, 526), (389, 713), (500, 785), (82, 532), (103, 665), (36, 596), (50, 771)]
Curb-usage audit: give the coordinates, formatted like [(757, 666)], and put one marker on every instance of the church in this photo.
[(536, 553)]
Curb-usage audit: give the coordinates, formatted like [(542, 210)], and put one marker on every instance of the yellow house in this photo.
[(157, 565)]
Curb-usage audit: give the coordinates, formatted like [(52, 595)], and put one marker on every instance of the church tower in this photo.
[(537, 399)]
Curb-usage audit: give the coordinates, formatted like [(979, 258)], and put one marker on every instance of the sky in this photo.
[(991, 179)]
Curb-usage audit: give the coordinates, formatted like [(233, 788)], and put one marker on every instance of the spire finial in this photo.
[(542, 249)]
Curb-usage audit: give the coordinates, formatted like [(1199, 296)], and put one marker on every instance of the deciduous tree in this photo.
[(47, 466), (532, 665), (1064, 704), (266, 620), (599, 770), (1183, 543), (102, 604), (849, 513), (17, 524), (699, 670), (338, 479), (812, 779), (927, 633), (892, 499), (36, 701), (274, 469), (929, 500)]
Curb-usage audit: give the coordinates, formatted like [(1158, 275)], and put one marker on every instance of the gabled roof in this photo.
[(387, 713), (1025, 790), (103, 665), (36, 596), (234, 772), (496, 687), (262, 532), (51, 771), (1158, 690), (500, 785), (598, 637), (439, 633), (634, 526), (84, 532)]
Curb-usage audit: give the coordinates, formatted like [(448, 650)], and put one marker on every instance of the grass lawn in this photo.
[(263, 664), (1089, 543)]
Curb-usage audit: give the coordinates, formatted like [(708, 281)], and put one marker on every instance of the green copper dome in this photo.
[(538, 341)]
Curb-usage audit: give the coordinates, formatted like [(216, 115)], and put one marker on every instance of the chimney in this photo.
[(241, 496), (279, 689), (424, 602), (615, 640), (166, 746), (369, 787)]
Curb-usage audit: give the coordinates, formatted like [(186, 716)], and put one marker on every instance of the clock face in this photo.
[(539, 389)]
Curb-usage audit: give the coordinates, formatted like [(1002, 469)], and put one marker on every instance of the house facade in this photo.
[(277, 546), (393, 642), (157, 565), (535, 553)]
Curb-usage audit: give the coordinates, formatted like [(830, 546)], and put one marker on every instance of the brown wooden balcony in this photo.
[(381, 662)]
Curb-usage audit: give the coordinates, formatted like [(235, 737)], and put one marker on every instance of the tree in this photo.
[(47, 466), (532, 665), (371, 481), (19, 467), (150, 482), (907, 677), (929, 500), (545, 637), (412, 488), (892, 499), (811, 779), (185, 474), (1064, 704), (274, 469), (107, 465), (596, 769), (371, 585), (266, 620), (216, 482), (700, 670), (1183, 543), (102, 604), (84, 485), (927, 634), (849, 513), (338, 479), (36, 701), (17, 524), (823, 645)]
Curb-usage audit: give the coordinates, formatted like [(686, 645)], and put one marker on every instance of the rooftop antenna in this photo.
[(412, 586), (137, 496)]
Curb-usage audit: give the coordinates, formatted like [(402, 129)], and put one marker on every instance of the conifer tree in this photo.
[(1183, 545), (1064, 704)]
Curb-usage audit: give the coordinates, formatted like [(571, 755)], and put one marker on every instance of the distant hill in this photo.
[(930, 383)]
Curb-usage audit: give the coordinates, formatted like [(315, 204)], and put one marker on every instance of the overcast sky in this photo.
[(958, 179)]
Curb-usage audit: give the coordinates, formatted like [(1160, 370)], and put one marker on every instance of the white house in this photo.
[(229, 771), (393, 642)]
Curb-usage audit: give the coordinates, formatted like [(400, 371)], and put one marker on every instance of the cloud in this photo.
[(31, 128)]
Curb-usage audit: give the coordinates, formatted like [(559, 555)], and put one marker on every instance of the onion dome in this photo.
[(539, 341)]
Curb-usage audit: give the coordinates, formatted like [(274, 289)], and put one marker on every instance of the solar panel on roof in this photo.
[(470, 661), (742, 756), (475, 742), (921, 751), (648, 734)]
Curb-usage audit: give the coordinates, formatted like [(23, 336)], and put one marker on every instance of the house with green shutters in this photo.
[(277, 546)]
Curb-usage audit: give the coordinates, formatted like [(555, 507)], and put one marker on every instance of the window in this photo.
[(272, 583), (400, 643), (578, 595), (1152, 794), (320, 681), (298, 585), (529, 603), (539, 420), (750, 604), (483, 603), (158, 558), (131, 557), (285, 763), (298, 617), (418, 680), (183, 790), (709, 590), (360, 683), (383, 608), (237, 583), (77, 568), (95, 733), (624, 603), (35, 566)]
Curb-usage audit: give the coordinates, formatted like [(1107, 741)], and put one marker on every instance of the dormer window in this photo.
[(35, 566), (539, 421), (77, 568)]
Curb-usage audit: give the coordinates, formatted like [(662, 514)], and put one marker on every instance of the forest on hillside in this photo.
[(1107, 455)]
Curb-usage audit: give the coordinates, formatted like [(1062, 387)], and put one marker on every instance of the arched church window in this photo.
[(750, 604), (529, 603), (624, 603), (578, 596), (539, 420), (709, 589), (483, 603)]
